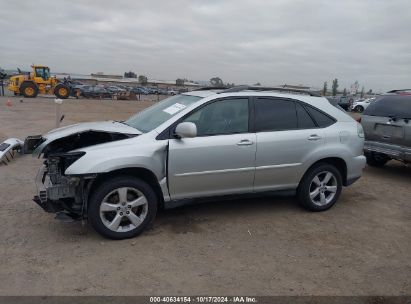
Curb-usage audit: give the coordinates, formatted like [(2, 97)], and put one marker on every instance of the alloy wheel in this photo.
[(323, 188), (123, 209)]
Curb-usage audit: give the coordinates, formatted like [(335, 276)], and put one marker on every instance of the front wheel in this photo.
[(122, 207), (62, 91), (359, 109), (320, 187)]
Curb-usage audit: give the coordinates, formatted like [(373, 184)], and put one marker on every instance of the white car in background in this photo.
[(361, 104)]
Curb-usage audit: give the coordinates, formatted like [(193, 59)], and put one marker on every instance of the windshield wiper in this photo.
[(121, 121)]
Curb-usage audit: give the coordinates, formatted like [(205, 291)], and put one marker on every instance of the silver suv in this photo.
[(205, 143), (387, 127)]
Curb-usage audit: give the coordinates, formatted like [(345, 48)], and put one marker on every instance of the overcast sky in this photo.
[(272, 42)]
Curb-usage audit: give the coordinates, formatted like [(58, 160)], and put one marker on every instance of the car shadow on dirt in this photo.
[(392, 171), (196, 217)]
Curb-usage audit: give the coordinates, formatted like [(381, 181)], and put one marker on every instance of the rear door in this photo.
[(286, 134), (388, 120)]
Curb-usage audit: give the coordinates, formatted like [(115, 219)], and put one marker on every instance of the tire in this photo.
[(62, 91), (309, 185), (29, 89), (376, 160), (105, 208), (359, 109)]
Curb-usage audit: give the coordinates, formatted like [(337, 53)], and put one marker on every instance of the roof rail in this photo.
[(400, 90), (260, 88), (211, 88)]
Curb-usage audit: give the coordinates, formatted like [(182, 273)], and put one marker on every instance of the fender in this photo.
[(150, 156)]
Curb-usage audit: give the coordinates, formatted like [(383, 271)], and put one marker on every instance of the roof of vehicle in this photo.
[(319, 102), (207, 91)]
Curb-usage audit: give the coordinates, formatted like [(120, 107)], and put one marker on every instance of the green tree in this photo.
[(216, 82), (325, 88), (142, 79), (179, 82), (362, 92), (345, 92), (335, 87), (3, 74), (130, 74), (369, 92), (257, 84)]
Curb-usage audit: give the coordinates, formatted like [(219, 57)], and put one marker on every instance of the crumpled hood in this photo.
[(101, 126), (105, 126)]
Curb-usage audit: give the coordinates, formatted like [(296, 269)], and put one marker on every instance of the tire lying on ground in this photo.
[(29, 89), (62, 91)]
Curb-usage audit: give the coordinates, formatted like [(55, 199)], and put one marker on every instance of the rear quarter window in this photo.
[(388, 106), (322, 119)]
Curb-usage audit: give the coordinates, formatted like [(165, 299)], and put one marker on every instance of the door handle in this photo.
[(244, 142), (314, 137)]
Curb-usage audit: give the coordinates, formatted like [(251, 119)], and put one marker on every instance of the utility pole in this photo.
[(2, 76)]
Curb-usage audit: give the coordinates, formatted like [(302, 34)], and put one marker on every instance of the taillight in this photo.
[(360, 130)]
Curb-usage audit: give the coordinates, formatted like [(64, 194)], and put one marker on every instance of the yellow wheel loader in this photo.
[(37, 82)]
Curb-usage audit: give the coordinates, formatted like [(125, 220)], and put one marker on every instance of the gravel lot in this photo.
[(253, 246)]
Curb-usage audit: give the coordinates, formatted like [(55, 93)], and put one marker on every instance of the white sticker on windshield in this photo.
[(174, 108)]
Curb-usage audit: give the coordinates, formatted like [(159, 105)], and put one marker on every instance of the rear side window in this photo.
[(275, 115), (304, 119), (320, 118), (387, 106)]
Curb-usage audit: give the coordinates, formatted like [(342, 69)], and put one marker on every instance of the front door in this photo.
[(220, 159)]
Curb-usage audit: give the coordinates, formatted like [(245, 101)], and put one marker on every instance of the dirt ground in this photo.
[(270, 246)]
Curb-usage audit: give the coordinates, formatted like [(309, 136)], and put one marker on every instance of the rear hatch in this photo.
[(388, 120)]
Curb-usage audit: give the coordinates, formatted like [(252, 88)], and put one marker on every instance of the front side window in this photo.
[(275, 115), (228, 116), (46, 74), (40, 72), (159, 113)]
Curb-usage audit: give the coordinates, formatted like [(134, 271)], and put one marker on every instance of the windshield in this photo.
[(159, 113)]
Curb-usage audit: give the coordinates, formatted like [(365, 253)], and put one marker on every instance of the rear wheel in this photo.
[(62, 91), (29, 89), (376, 160), (122, 207), (320, 187), (359, 109)]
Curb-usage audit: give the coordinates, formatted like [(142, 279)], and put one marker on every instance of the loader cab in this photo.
[(42, 72)]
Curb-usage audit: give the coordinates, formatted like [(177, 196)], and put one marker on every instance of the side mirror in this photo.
[(186, 129)]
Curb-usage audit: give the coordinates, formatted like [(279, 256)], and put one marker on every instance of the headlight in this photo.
[(360, 130)]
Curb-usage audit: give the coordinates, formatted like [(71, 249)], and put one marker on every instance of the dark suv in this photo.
[(387, 127)]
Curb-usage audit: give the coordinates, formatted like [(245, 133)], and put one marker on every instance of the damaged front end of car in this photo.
[(59, 193)]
